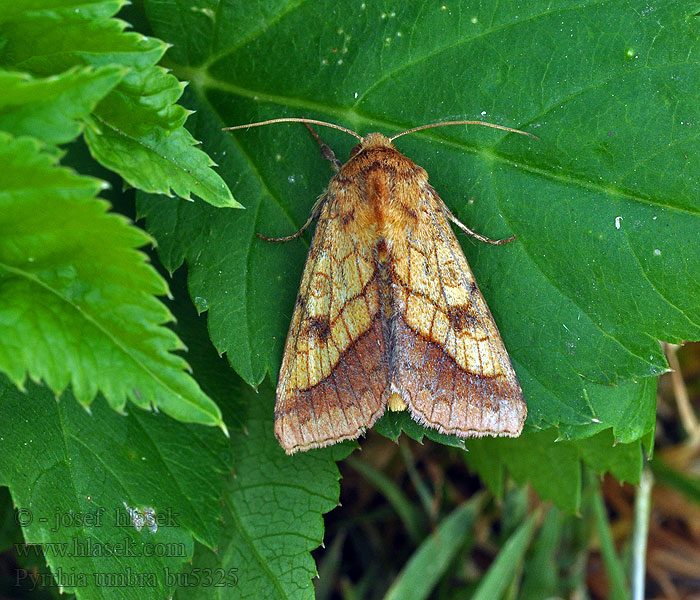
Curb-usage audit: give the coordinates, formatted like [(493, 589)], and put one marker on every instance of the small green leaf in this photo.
[(551, 465), (432, 558), (137, 131), (48, 37), (393, 423), (83, 10), (50, 108), (77, 301), (507, 563)]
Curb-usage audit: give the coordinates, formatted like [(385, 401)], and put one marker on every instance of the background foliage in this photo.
[(604, 206)]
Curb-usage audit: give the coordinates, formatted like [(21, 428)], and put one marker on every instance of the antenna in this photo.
[(296, 120), (359, 137), (501, 127)]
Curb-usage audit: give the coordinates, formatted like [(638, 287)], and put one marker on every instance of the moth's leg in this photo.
[(472, 233), (326, 150), (315, 211)]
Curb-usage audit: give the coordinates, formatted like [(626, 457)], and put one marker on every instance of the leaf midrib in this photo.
[(205, 81)]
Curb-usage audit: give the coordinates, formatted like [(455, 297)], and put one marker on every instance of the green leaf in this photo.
[(81, 10), (137, 132), (392, 424), (582, 297), (77, 300), (137, 129), (552, 465), (507, 563), (47, 37), (432, 558), (70, 473), (614, 568), (50, 108), (272, 513), (541, 574), (632, 406)]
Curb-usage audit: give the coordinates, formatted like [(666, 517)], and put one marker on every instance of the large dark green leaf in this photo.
[(605, 204)]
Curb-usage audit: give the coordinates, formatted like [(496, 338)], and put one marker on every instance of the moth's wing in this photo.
[(334, 373), (451, 367)]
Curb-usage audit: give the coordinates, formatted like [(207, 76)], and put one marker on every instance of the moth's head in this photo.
[(371, 140)]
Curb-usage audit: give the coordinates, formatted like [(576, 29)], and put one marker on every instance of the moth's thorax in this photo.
[(378, 189)]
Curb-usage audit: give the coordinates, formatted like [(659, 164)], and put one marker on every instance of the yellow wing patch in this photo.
[(335, 306)]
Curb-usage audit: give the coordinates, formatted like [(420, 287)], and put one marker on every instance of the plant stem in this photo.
[(642, 508)]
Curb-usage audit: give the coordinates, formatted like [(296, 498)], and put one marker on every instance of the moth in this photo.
[(388, 312)]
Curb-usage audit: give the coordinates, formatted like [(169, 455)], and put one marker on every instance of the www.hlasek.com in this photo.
[(72, 578), (90, 547)]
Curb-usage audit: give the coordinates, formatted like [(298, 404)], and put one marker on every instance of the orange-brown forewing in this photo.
[(334, 370), (451, 366)]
